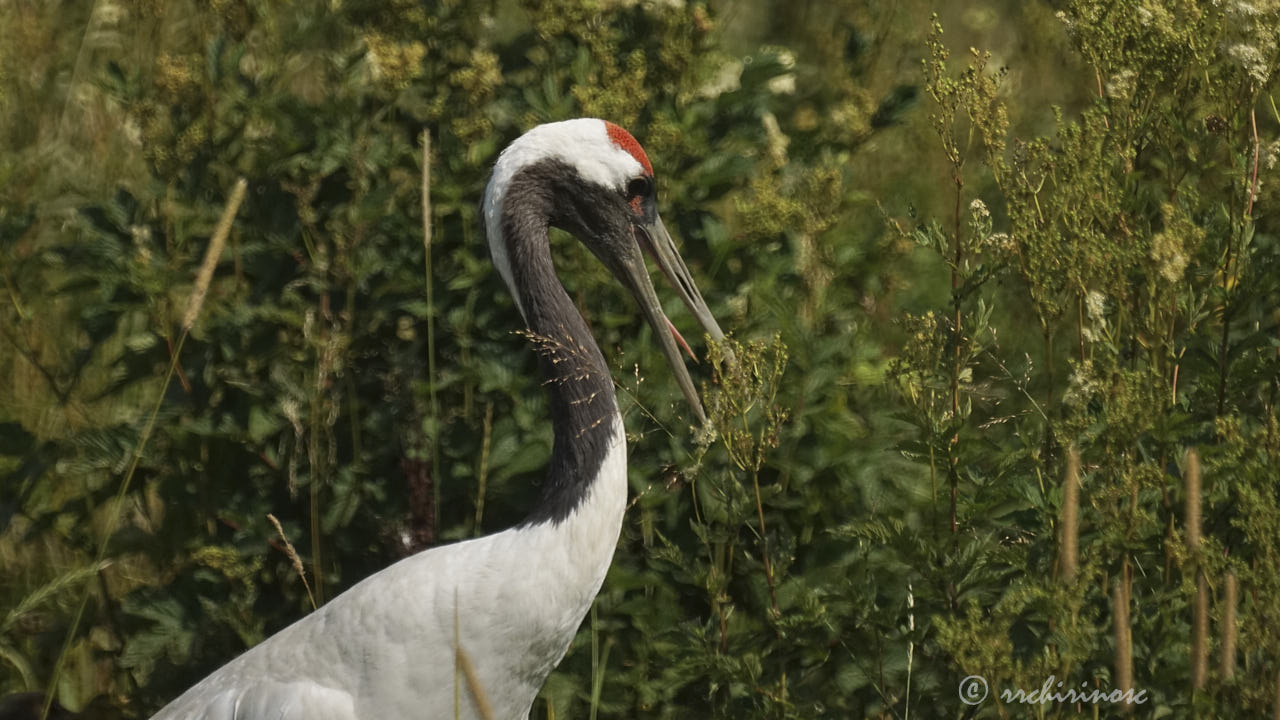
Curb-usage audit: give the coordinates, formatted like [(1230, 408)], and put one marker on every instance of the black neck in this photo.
[(583, 404)]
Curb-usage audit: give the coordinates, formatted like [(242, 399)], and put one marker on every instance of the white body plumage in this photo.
[(385, 647)]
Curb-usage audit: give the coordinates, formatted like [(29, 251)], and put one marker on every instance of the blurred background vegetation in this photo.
[(998, 271)]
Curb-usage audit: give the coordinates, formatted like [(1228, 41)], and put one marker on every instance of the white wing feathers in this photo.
[(381, 648), (266, 700)]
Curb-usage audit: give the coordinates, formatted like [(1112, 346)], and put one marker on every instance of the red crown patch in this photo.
[(623, 139)]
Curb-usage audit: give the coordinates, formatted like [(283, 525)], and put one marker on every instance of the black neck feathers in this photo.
[(577, 379)]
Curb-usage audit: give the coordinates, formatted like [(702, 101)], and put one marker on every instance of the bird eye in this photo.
[(639, 187)]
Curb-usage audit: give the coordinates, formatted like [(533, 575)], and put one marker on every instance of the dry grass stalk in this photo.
[(1230, 592), (1124, 638), (1253, 182), (482, 476), (216, 245), (473, 684), (462, 661), (431, 327), (1071, 517), (293, 558), (1193, 503), (1200, 633), (1200, 606), (426, 190)]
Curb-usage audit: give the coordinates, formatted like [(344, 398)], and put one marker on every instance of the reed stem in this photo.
[(1071, 517), (1200, 605)]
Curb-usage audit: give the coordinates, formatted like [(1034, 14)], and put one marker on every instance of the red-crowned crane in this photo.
[(385, 649)]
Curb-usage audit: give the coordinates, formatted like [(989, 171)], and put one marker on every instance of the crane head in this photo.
[(591, 178)]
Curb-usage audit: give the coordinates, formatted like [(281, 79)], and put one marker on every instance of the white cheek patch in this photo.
[(582, 144)]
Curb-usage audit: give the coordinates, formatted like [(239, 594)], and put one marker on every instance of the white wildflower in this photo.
[(1167, 252), (1120, 85), (1082, 385), (109, 13), (979, 210), (1156, 17), (1244, 9), (1003, 242), (1251, 60), (1270, 155), (1095, 304), (782, 84), (727, 79)]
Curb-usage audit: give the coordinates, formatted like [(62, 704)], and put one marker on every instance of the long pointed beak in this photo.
[(656, 242)]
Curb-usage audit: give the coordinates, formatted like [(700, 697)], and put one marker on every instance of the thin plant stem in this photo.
[(313, 489), (1224, 362), (112, 519), (911, 647), (353, 401), (953, 472), (599, 661), (1253, 183), (635, 401), (1080, 324), (595, 661), (764, 544), (482, 475), (431, 328)]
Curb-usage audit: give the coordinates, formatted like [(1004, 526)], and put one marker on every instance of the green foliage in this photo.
[(1138, 241), (1070, 245)]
